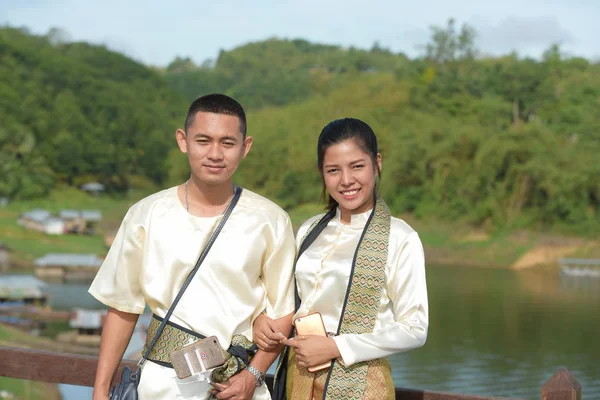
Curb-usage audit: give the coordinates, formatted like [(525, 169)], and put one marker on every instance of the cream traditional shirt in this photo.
[(247, 270), (323, 272)]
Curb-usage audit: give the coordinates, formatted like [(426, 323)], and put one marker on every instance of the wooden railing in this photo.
[(80, 370)]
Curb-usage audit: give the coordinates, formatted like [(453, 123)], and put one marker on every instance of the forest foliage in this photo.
[(493, 141)]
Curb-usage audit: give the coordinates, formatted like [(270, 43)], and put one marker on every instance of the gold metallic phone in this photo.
[(312, 324), (198, 356)]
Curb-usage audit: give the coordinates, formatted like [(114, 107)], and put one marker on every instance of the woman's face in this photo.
[(350, 176)]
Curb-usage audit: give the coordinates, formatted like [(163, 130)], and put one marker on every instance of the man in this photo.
[(248, 269)]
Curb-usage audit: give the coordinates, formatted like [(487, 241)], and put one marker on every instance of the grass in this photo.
[(26, 245), (445, 242), (30, 390)]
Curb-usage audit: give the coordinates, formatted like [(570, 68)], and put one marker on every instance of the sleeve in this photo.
[(117, 283), (278, 272), (407, 290)]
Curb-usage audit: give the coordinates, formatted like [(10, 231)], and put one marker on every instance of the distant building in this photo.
[(91, 219), (67, 221), (87, 322), (69, 260), (83, 221), (34, 219), (54, 226), (42, 221), (94, 188), (72, 220), (22, 289), (86, 328), (68, 215), (67, 265), (91, 215)]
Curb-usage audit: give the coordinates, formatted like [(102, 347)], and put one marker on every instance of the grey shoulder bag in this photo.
[(127, 388)]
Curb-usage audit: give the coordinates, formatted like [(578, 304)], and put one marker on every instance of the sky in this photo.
[(155, 32)]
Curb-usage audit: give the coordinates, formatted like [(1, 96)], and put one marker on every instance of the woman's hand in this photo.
[(265, 333), (312, 350)]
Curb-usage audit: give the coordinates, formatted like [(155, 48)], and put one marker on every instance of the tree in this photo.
[(448, 45), (24, 171)]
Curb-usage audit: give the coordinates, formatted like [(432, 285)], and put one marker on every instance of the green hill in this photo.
[(278, 72), (498, 143), (71, 112)]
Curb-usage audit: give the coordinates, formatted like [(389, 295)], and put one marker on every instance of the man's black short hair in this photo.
[(218, 104)]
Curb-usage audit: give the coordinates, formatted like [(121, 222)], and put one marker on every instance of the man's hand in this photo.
[(239, 387), (265, 334), (312, 350)]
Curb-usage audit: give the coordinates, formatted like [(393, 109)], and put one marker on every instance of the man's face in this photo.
[(215, 146)]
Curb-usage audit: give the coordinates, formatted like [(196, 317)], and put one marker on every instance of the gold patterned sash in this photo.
[(362, 302), (303, 385), (174, 337)]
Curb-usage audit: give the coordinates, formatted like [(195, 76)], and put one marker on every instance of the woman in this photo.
[(362, 270)]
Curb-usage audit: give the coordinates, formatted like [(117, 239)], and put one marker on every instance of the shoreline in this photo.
[(445, 242)]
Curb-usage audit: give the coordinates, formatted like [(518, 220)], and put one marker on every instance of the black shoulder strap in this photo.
[(211, 240), (308, 240)]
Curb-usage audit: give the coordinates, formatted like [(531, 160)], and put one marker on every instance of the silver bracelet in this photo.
[(258, 376)]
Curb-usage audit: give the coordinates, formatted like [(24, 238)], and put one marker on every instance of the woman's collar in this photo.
[(358, 220)]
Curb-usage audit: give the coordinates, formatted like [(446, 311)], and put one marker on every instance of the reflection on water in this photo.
[(504, 333), (583, 283), (492, 332), (67, 296)]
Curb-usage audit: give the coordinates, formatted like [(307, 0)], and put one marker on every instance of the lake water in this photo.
[(492, 332)]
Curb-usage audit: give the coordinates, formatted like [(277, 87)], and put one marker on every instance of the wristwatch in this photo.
[(260, 378)]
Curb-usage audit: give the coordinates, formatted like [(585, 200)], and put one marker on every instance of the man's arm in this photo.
[(244, 383), (116, 333), (278, 278)]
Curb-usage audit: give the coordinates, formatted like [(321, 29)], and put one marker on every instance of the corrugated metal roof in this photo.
[(88, 215), (37, 215), (69, 260), (69, 214), (91, 215), (21, 286)]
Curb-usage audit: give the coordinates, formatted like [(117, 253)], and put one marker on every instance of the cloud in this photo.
[(523, 34)]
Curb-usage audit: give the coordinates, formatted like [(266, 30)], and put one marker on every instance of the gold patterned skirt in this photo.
[(304, 385)]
